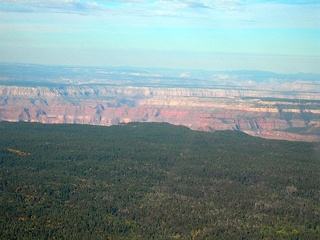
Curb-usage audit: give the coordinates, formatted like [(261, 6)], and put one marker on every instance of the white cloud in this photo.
[(202, 13), (210, 4), (38, 1)]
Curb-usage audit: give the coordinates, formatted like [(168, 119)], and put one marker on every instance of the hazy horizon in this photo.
[(269, 35)]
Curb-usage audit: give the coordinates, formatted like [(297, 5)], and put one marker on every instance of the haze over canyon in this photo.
[(259, 103)]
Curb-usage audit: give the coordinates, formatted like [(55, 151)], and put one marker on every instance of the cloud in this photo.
[(59, 6), (293, 2), (87, 5), (197, 13), (160, 8), (66, 6), (205, 4), (36, 1)]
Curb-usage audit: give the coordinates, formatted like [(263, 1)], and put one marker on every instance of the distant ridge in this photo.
[(260, 103)]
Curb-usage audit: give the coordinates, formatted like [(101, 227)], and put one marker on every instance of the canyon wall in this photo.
[(293, 114)]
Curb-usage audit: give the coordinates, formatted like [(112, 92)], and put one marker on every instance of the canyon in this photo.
[(263, 104)]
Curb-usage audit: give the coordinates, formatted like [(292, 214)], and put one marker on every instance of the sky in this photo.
[(271, 35)]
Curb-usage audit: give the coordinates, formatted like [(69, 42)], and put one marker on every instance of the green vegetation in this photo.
[(154, 181)]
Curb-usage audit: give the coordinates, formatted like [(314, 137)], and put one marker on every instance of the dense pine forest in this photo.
[(154, 181)]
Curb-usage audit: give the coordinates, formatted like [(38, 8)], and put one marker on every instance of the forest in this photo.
[(154, 181)]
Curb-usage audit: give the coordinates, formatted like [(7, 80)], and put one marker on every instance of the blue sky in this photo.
[(274, 35)]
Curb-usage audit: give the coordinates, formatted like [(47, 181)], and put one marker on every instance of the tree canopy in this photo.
[(154, 181)]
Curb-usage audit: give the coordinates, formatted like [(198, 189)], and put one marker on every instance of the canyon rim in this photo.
[(261, 104)]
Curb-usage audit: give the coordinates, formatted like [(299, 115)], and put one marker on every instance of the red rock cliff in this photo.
[(265, 113)]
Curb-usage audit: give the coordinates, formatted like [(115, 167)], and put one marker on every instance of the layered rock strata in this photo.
[(265, 113)]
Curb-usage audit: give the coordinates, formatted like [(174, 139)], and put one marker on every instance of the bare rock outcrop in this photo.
[(269, 114)]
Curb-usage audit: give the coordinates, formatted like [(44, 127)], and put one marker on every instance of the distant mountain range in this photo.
[(260, 103)]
